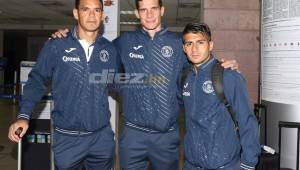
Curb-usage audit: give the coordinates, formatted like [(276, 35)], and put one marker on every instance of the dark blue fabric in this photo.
[(80, 100), (234, 165), (161, 149), (210, 140), (151, 104), (94, 152)]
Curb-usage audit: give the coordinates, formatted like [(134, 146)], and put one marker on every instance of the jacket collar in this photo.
[(163, 30), (75, 35), (206, 64)]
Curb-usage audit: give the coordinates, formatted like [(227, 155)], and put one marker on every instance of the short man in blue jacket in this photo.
[(211, 141), (82, 133)]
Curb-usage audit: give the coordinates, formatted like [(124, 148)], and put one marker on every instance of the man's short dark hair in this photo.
[(77, 2), (198, 27), (137, 5)]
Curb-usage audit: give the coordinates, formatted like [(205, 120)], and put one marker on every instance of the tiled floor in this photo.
[(9, 154)]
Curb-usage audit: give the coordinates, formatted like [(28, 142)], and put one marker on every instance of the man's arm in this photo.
[(115, 86), (237, 94), (34, 90)]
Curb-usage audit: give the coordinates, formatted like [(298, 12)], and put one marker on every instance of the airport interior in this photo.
[(263, 36)]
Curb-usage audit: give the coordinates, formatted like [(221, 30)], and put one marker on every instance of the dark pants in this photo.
[(93, 151), (137, 148), (234, 165)]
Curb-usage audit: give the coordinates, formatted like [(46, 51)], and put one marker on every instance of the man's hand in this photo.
[(60, 33), (230, 64), (14, 127)]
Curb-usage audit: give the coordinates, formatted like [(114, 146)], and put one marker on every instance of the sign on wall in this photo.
[(281, 51)]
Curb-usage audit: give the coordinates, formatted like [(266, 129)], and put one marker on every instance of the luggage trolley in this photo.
[(34, 149)]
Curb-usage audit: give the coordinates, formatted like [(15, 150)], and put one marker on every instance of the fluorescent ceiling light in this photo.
[(189, 5), (129, 23), (127, 12)]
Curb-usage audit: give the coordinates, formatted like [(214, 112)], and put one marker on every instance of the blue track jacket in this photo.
[(80, 97), (150, 101), (211, 141)]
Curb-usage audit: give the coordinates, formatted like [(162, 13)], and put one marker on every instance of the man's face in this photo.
[(89, 15), (150, 14), (197, 47)]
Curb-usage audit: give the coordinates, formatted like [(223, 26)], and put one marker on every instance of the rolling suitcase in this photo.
[(34, 151)]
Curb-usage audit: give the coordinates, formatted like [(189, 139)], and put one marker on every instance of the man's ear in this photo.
[(211, 45), (136, 12), (103, 16), (75, 13), (162, 11), (183, 48)]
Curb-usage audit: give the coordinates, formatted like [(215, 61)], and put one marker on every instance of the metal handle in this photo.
[(18, 132)]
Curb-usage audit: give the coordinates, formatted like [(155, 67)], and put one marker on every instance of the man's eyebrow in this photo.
[(187, 42)]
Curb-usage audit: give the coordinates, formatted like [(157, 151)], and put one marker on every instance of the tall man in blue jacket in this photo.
[(82, 133), (211, 141), (150, 109)]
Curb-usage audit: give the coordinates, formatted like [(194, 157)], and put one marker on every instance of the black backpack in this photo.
[(217, 82)]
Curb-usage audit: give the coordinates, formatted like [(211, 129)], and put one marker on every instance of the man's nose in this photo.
[(194, 47), (149, 13), (92, 13)]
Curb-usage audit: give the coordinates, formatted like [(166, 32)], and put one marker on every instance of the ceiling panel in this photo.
[(59, 12)]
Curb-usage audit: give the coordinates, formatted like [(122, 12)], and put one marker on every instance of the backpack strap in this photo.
[(217, 82)]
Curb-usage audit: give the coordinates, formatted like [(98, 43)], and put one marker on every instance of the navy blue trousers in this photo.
[(93, 151), (139, 148), (234, 165)]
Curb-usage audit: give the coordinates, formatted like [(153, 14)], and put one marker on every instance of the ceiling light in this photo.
[(47, 3), (130, 23), (189, 5), (127, 12)]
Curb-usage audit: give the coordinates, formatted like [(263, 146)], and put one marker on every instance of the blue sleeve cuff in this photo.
[(23, 116), (247, 167)]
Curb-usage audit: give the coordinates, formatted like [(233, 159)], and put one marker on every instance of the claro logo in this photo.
[(136, 56), (71, 59)]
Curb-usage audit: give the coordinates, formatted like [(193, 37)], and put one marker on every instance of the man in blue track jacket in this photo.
[(82, 133), (211, 141), (151, 109)]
